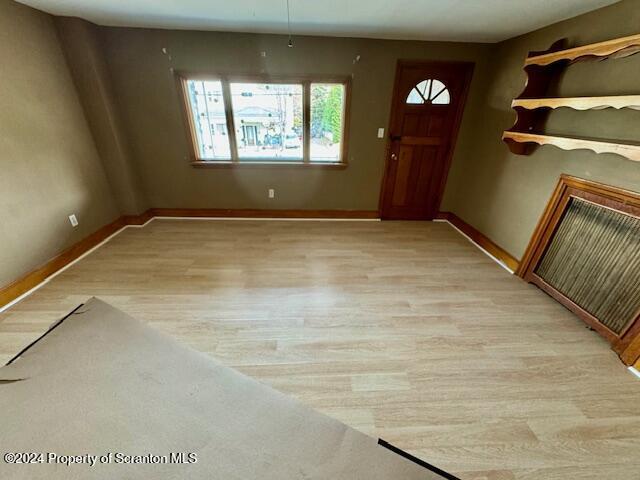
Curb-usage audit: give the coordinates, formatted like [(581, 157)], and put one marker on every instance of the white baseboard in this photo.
[(498, 261)]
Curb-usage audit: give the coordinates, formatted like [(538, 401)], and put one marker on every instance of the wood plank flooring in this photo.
[(403, 330)]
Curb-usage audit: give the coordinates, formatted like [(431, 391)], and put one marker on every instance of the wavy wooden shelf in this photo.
[(627, 150), (533, 107), (618, 47), (580, 103)]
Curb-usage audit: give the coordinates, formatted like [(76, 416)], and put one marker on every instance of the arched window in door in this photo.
[(429, 91)]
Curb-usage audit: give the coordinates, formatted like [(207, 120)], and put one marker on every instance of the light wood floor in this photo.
[(402, 330)]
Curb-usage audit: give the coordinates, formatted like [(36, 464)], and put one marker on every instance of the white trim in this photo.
[(141, 226), (634, 371), (498, 261), (274, 219), (70, 264)]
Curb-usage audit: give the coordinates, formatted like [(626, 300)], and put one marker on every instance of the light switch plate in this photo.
[(381, 133)]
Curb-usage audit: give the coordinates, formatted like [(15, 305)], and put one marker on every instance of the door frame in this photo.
[(468, 67)]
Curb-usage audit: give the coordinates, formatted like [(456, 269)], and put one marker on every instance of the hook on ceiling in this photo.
[(290, 44)]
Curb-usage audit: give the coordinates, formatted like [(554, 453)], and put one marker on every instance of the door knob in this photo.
[(394, 156)]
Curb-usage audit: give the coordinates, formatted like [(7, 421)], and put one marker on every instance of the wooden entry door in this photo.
[(428, 102)]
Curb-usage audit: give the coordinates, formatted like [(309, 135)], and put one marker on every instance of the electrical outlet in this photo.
[(381, 133), (272, 193), (73, 220)]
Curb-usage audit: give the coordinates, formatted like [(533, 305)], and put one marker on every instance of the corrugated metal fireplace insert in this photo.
[(586, 254)]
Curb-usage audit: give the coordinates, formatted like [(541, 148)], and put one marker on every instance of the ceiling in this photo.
[(451, 20)]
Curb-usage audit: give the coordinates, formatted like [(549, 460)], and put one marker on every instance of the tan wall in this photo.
[(503, 195), (49, 167), (147, 96), (85, 58)]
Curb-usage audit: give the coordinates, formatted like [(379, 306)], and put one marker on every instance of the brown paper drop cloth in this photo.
[(102, 383)]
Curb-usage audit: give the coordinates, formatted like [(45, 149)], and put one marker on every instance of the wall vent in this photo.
[(593, 259), (586, 254)]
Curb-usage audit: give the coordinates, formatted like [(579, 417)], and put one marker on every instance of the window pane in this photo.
[(436, 88), (414, 97), (268, 120), (424, 87), (443, 98), (327, 122), (210, 123), (439, 93)]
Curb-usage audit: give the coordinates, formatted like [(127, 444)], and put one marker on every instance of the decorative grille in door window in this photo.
[(429, 91)]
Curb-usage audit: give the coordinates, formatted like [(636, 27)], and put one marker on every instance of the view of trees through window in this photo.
[(327, 110), (269, 120)]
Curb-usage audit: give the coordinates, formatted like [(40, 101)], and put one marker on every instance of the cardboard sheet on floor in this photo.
[(110, 391)]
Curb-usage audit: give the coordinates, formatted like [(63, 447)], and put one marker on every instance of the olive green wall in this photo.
[(85, 58), (49, 166), (124, 147), (503, 195), (148, 100)]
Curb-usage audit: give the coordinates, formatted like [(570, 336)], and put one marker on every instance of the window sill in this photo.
[(267, 164)]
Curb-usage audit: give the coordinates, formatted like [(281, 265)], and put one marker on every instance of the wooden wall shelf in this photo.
[(628, 150), (533, 105), (580, 103), (618, 47)]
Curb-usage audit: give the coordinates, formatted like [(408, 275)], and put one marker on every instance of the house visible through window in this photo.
[(275, 122), (268, 120)]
